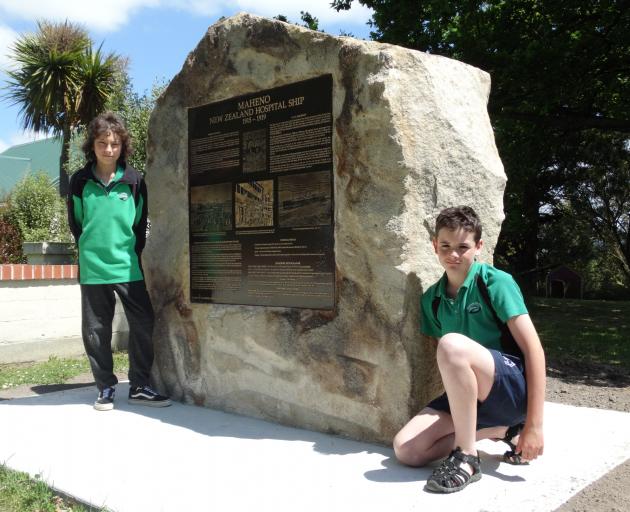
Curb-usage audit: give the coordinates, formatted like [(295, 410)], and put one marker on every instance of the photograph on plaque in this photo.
[(254, 151), (260, 181), (254, 204), (211, 208), (304, 199)]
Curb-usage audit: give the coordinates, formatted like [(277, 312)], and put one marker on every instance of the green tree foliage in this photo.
[(308, 20), (37, 210), (597, 186), (135, 110), (565, 231), (560, 81), (60, 82)]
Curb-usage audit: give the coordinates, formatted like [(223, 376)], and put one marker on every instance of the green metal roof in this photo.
[(17, 161)]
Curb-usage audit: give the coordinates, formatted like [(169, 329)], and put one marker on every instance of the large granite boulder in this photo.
[(411, 136)]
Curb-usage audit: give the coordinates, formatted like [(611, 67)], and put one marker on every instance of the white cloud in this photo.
[(320, 9), (99, 16), (7, 36), (111, 15), (21, 138)]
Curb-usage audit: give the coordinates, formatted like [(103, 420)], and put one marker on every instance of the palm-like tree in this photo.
[(60, 82)]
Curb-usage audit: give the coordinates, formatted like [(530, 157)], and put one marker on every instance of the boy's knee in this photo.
[(452, 347), (407, 454)]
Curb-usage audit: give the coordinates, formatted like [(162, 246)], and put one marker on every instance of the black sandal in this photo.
[(511, 457), (450, 476)]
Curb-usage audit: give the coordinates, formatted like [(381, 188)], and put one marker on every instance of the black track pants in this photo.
[(97, 309)]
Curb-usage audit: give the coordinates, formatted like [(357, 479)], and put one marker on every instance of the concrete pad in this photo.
[(136, 459)]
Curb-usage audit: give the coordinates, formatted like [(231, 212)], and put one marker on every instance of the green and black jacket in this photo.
[(109, 224)]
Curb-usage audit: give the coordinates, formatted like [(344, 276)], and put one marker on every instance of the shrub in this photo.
[(38, 210), (10, 241)]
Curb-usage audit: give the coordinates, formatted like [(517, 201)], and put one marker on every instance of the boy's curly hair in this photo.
[(459, 217), (103, 123)]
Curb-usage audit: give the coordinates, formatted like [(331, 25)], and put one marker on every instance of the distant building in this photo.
[(564, 283), (32, 157)]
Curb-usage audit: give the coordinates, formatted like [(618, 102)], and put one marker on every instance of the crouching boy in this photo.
[(490, 360)]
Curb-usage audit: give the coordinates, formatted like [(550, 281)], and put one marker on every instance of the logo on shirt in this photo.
[(475, 307), (123, 196)]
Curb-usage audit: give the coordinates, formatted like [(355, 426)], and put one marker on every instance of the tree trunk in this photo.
[(64, 182), (528, 258)]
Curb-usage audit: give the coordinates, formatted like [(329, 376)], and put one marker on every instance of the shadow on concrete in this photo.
[(215, 423), (394, 472), (30, 390), (53, 388), (201, 420)]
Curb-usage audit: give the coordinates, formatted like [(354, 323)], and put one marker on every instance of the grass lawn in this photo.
[(53, 371), (21, 493), (591, 332)]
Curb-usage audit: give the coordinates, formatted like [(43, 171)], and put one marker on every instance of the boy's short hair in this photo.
[(459, 217), (103, 123)]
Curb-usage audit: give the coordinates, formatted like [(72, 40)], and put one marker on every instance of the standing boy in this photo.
[(107, 212), (489, 357)]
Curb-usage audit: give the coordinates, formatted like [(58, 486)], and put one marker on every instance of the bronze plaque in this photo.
[(261, 198)]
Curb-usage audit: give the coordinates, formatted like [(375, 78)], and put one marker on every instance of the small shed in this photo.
[(564, 283)]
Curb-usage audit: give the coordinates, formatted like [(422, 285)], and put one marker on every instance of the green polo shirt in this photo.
[(468, 313)]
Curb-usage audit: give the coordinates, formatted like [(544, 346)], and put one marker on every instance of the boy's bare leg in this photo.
[(429, 436), (467, 371)]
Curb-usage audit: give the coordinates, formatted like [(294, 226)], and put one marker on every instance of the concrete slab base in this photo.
[(136, 459)]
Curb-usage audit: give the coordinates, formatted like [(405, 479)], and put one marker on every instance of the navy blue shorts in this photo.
[(506, 404)]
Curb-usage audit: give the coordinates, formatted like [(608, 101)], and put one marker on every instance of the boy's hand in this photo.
[(531, 442)]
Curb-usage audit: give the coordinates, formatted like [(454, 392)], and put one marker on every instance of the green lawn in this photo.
[(593, 332), (21, 493), (53, 371)]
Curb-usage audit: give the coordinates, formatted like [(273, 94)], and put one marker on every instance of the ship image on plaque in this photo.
[(254, 204), (211, 208), (254, 151), (304, 199)]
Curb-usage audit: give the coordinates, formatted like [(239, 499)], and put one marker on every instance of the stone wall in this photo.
[(411, 136)]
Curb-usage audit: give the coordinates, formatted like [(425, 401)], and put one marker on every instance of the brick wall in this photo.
[(37, 272)]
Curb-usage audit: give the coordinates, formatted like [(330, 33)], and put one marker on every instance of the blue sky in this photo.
[(156, 35)]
